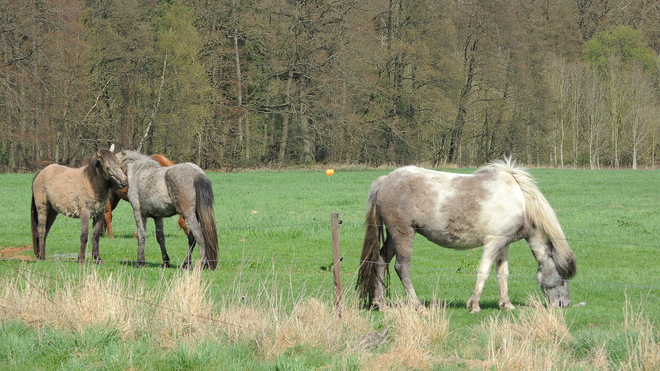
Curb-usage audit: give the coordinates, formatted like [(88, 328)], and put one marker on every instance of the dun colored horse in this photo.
[(497, 205), (77, 193), (160, 192), (122, 194)]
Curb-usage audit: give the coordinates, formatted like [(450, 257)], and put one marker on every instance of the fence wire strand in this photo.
[(343, 224)]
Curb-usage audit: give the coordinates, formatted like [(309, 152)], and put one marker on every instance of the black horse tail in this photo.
[(367, 273), (35, 223), (206, 218)]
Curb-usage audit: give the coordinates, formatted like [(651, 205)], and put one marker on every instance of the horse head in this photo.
[(553, 284), (110, 168)]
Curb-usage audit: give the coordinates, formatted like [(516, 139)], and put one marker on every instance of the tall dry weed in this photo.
[(74, 304), (279, 320), (413, 337), (315, 324), (530, 339), (91, 300), (642, 339), (185, 310)]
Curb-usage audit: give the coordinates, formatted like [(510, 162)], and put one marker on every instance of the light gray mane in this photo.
[(136, 161)]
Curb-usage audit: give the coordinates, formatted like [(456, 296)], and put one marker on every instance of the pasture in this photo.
[(276, 253)]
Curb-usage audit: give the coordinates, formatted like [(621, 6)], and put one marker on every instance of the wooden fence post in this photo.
[(336, 268)]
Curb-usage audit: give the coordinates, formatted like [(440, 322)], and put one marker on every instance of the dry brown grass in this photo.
[(414, 337), (185, 310), (531, 340), (74, 304), (642, 339), (533, 337)]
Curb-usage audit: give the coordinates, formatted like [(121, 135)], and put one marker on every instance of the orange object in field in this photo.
[(329, 172)]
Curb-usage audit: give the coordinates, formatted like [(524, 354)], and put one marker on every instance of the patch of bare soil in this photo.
[(14, 252)]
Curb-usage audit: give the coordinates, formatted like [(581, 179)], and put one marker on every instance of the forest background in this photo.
[(236, 83)]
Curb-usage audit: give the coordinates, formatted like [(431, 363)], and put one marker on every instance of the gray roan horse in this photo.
[(160, 192), (493, 207), (77, 193)]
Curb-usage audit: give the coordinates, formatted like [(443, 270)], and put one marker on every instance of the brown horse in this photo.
[(122, 194), (77, 193), (497, 205)]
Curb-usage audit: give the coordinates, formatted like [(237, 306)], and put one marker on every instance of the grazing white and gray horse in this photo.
[(497, 205), (160, 192)]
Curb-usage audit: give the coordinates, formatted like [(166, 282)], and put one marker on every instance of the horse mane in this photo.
[(91, 169), (540, 213), (508, 165), (137, 161)]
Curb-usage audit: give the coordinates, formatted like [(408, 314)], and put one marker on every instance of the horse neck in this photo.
[(134, 167), (99, 184), (540, 245)]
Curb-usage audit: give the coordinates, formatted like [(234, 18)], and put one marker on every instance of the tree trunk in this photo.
[(459, 121), (239, 83), (285, 123), (308, 154)]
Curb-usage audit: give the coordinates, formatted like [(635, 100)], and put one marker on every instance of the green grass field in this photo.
[(274, 231)]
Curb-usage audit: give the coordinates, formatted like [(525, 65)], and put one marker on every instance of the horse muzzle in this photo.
[(118, 184), (558, 296)]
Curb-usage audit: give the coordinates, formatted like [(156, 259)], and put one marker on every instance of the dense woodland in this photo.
[(235, 84)]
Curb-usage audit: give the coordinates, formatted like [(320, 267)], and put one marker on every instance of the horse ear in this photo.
[(112, 148), (98, 156)]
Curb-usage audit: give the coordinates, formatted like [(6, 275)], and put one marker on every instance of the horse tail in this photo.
[(540, 214), (206, 218), (35, 223), (367, 273)]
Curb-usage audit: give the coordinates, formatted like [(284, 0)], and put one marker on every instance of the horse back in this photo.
[(180, 180), (149, 193), (68, 191), (452, 210)]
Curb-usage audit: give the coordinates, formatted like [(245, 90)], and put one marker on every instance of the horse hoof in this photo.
[(165, 265), (475, 310), (508, 306), (99, 261), (423, 311), (138, 264)]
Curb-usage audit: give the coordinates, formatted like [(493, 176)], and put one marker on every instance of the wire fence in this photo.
[(21, 271), (343, 225)]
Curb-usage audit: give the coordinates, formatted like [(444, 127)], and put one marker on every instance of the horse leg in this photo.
[(382, 265), (109, 207), (84, 236), (191, 241), (502, 266), (191, 247), (182, 224), (403, 243), (97, 231), (141, 222), (491, 251), (196, 231), (42, 229), (160, 237), (107, 215), (50, 219)]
